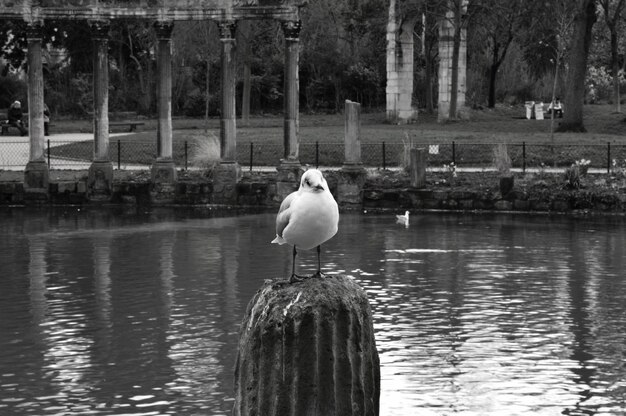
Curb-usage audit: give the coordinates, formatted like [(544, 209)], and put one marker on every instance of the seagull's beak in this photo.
[(319, 187)]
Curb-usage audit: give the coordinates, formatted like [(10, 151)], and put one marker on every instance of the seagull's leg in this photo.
[(294, 277), (319, 264)]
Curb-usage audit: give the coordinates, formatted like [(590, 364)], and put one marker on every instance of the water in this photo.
[(112, 313)]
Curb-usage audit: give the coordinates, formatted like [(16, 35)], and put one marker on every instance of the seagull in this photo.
[(403, 219), (307, 218)]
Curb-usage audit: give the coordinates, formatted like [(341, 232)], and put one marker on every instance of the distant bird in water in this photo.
[(307, 218), (403, 219)]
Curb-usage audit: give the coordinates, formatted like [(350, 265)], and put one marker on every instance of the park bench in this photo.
[(6, 126), (132, 125)]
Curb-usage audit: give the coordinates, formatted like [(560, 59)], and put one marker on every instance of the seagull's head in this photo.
[(313, 181)]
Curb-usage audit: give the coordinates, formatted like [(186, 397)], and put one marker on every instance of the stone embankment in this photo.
[(352, 189)]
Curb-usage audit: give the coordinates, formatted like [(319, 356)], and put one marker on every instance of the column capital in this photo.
[(164, 29), (291, 29), (34, 30), (227, 29), (100, 29)]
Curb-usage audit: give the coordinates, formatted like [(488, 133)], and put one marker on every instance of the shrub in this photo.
[(572, 177), (205, 152)]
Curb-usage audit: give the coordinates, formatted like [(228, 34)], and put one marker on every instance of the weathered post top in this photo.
[(37, 10), (308, 349)]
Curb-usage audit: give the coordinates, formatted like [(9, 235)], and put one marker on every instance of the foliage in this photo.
[(572, 177), (205, 151)]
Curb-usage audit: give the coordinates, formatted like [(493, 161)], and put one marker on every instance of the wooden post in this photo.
[(308, 349), (418, 168), (36, 174)]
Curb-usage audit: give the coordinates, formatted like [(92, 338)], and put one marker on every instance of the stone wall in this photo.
[(352, 191)]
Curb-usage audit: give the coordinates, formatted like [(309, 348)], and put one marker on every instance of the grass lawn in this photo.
[(473, 139), (484, 126)]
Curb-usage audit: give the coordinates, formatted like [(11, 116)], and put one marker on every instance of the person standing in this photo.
[(46, 120)]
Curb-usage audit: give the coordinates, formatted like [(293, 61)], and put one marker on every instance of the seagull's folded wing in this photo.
[(282, 219)]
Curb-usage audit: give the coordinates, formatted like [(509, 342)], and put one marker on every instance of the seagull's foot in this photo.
[(295, 278), (318, 275)]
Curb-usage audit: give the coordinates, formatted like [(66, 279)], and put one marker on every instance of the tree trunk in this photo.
[(430, 40), (456, 46), (245, 94), (615, 69), (580, 42), (493, 70)]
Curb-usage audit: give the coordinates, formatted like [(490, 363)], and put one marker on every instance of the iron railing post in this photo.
[(119, 154), (251, 155), (524, 158), (608, 157), (48, 153), (453, 152), (186, 156), (384, 157)]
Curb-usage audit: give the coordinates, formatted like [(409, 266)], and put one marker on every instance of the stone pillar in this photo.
[(228, 127), (418, 167), (164, 169), (308, 349), (352, 135), (100, 178), (36, 174), (227, 173), (291, 141), (400, 63), (351, 179), (446, 45)]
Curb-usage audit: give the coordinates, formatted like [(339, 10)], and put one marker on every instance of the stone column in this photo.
[(308, 349), (164, 169), (446, 45), (228, 127), (36, 175), (291, 30), (101, 170), (400, 64), (352, 135), (228, 172), (352, 177), (290, 169)]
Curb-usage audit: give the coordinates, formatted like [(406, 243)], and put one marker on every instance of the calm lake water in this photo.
[(112, 313)]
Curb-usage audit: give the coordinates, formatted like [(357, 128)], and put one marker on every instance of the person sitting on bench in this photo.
[(14, 116), (556, 107)]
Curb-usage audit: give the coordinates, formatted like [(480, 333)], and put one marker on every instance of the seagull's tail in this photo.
[(278, 240)]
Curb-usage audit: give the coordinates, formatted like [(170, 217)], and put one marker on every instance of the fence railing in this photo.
[(127, 154)]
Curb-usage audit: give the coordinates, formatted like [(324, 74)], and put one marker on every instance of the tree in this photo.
[(612, 16), (584, 19), (498, 24)]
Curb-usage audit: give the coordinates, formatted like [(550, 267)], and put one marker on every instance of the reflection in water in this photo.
[(105, 314)]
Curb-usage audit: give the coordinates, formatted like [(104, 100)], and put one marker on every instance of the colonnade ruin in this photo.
[(164, 14)]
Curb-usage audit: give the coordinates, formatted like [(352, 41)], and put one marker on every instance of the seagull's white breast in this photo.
[(314, 219)]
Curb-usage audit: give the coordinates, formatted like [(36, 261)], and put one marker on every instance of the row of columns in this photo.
[(163, 169)]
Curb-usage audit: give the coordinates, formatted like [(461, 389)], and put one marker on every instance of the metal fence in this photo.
[(131, 154)]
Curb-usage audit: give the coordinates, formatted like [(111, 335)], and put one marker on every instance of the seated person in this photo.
[(14, 116), (557, 107)]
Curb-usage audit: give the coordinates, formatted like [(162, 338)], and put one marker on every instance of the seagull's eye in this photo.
[(308, 183)]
